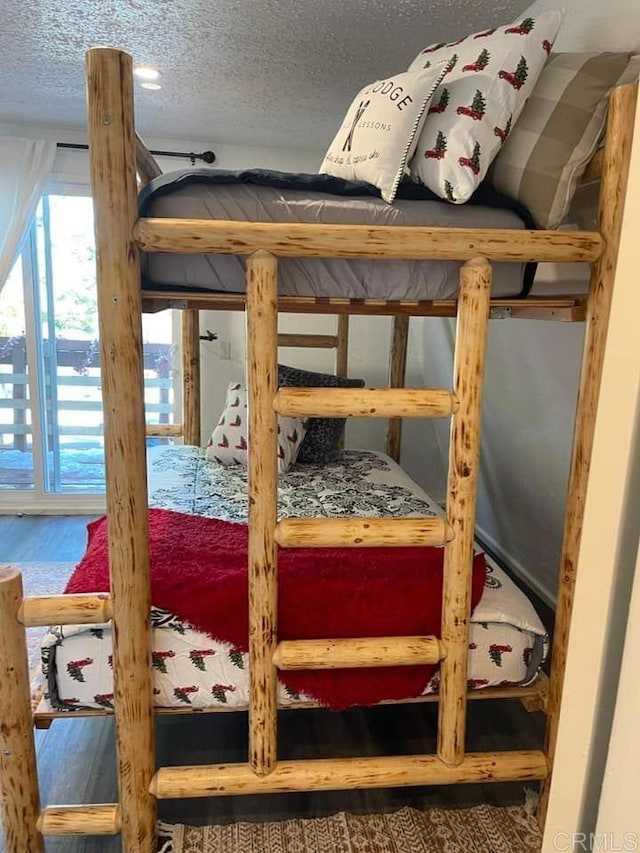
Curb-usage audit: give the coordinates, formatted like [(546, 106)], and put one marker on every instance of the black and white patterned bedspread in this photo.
[(359, 482)]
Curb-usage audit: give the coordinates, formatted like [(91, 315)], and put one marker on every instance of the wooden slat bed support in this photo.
[(365, 402), (113, 167), (568, 309), (330, 774), (19, 794), (306, 240), (464, 453), (353, 653), (342, 347), (80, 820), (262, 376), (80, 609), (397, 371), (361, 532), (615, 173), (191, 375)]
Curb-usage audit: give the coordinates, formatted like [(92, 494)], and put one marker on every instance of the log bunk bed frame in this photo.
[(119, 236)]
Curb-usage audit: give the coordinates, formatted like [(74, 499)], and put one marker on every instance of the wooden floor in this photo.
[(77, 756), (42, 538)]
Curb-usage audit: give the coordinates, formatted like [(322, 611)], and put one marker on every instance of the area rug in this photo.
[(481, 829)]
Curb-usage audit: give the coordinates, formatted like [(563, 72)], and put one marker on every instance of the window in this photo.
[(51, 421)]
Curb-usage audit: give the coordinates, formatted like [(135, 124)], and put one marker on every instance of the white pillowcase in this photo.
[(492, 73), (229, 444), (379, 132)]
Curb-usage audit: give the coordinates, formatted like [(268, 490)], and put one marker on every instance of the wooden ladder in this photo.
[(455, 532)]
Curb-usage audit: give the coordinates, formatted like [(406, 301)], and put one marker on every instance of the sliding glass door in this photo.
[(51, 426)]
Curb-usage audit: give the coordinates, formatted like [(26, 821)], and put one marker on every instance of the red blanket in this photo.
[(199, 573)]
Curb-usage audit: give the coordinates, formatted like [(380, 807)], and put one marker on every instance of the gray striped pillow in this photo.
[(557, 133)]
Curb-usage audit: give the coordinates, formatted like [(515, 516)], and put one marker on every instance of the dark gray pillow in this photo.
[(322, 440)]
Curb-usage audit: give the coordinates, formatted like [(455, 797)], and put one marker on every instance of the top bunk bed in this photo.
[(343, 249)]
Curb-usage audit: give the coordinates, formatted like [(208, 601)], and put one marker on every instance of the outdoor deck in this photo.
[(71, 414)]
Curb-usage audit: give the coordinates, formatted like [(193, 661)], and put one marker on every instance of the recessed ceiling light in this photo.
[(153, 86), (143, 72)]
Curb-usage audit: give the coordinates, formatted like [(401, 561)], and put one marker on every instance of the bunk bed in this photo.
[(119, 234)]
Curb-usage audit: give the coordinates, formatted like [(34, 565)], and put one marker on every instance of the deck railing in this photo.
[(76, 368)]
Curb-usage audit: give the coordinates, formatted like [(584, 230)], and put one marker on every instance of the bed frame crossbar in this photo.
[(307, 240), (118, 234), (532, 696), (328, 774)]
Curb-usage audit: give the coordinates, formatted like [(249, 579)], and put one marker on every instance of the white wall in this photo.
[(617, 814), (533, 368), (529, 403)]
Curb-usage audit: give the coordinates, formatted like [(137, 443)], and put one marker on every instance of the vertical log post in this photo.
[(615, 173), (19, 795), (464, 452), (342, 345), (342, 356), (191, 375), (113, 181), (397, 373), (262, 380)]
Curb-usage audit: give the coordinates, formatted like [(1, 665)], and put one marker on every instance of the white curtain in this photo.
[(25, 165)]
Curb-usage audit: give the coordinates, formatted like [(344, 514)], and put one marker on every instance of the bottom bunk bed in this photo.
[(196, 669)]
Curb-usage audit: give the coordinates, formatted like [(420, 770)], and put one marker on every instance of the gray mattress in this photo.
[(356, 279)]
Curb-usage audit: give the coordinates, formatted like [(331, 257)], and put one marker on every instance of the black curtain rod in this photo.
[(205, 156)]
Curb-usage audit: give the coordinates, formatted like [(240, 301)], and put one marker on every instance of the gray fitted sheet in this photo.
[(356, 279)]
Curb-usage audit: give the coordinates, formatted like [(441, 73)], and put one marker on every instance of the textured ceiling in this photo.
[(253, 72)]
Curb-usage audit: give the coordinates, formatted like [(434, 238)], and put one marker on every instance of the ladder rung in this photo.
[(362, 532), (335, 774), (80, 820), (366, 402), (79, 609), (165, 430), (360, 652)]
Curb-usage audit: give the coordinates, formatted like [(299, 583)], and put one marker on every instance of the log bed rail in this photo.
[(118, 235)]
